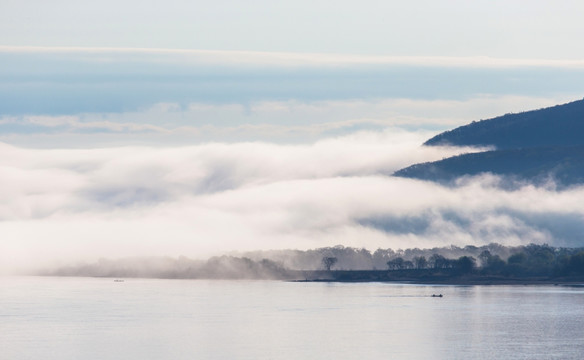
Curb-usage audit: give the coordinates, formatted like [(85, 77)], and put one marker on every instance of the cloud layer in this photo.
[(290, 121), (65, 205)]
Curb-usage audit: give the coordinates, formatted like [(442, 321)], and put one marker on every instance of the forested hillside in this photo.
[(536, 146), (560, 125), (562, 165)]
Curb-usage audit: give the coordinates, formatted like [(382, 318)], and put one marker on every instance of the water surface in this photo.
[(88, 318)]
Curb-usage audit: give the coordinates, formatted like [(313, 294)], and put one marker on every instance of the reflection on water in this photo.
[(86, 318)]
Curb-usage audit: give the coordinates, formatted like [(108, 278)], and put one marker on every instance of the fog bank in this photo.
[(199, 201)]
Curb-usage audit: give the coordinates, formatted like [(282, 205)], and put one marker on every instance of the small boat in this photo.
[(434, 295)]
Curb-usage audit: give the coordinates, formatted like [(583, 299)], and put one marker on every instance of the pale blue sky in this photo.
[(109, 58), (498, 28), (113, 93)]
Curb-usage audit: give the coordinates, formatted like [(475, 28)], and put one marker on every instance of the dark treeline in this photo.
[(349, 258), (491, 260), (535, 260), (525, 261)]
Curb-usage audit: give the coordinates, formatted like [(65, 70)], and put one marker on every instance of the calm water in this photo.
[(86, 318)]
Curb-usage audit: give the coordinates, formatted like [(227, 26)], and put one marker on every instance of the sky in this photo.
[(193, 128)]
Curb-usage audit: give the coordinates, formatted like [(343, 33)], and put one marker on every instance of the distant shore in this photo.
[(425, 277), (411, 276)]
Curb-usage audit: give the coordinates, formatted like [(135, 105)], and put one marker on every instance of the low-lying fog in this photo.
[(61, 206)]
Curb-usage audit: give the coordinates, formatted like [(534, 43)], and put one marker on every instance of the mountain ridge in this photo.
[(559, 125), (536, 146)]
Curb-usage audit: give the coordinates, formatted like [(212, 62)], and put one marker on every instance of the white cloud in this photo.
[(73, 123), (197, 57), (206, 199)]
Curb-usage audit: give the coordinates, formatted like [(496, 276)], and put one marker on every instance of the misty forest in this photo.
[(488, 263)]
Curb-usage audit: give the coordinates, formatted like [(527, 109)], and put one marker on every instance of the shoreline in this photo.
[(449, 281), (457, 282), (430, 278)]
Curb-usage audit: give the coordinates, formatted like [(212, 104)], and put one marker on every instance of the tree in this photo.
[(576, 263), (485, 257), (518, 258), (408, 265), (465, 264), (495, 264), (396, 264), (420, 262), (438, 261), (328, 262)]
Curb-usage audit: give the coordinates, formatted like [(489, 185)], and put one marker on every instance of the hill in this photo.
[(563, 165), (534, 146), (560, 125)]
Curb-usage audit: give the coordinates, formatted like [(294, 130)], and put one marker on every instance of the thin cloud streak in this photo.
[(293, 59)]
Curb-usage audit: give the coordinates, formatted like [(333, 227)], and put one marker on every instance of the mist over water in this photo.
[(78, 205)]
